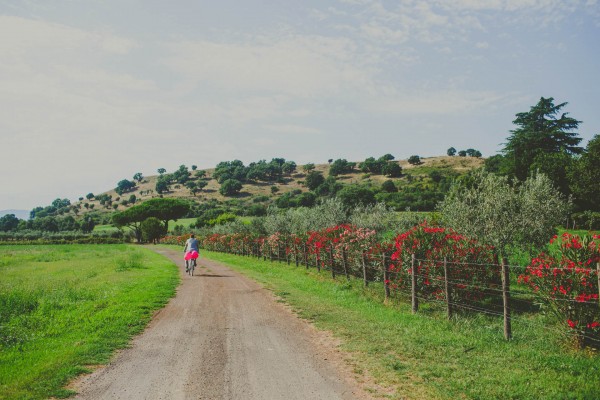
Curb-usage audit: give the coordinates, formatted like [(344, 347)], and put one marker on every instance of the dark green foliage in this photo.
[(165, 209), (341, 166), (289, 167), (47, 224), (8, 223), (138, 177), (414, 160), (192, 186), (162, 184), (584, 177), (67, 223), (412, 197), (124, 186), (313, 180), (354, 195), (230, 187), (587, 220), (308, 167), (389, 186), (296, 198), (462, 153), (392, 169), (87, 224), (256, 210), (89, 196), (182, 175), (58, 207), (451, 151), (152, 229), (329, 187), (540, 130), (206, 212), (372, 165), (555, 167), (496, 164), (436, 176)]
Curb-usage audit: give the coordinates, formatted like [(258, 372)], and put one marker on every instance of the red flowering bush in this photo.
[(567, 282), (178, 240), (472, 273)]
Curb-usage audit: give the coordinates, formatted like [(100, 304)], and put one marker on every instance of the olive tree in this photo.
[(378, 217), (494, 211)]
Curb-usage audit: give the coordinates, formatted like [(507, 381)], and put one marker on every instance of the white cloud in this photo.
[(19, 36), (293, 129), (305, 66), (435, 102)]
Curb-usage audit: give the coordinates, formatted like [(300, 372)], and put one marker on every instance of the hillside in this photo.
[(413, 176)]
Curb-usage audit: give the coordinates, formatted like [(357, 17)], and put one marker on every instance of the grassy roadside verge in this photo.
[(66, 307), (425, 356)]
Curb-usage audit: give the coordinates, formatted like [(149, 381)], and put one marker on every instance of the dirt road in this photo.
[(223, 337)]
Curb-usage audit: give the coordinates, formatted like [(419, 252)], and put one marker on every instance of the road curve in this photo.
[(222, 336)]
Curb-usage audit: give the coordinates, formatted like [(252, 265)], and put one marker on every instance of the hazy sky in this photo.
[(92, 92)]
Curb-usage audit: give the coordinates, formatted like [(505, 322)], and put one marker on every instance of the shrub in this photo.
[(469, 275), (567, 284)]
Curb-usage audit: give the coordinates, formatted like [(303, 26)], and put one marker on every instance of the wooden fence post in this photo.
[(305, 256), (506, 299), (279, 251), (296, 253), (386, 277), (345, 262), (447, 284), (331, 263), (318, 259), (598, 271), (364, 267), (415, 301)]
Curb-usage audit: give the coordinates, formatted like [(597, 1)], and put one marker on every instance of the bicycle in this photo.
[(190, 266)]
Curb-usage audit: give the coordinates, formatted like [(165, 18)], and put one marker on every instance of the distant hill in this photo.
[(21, 214), (412, 175)]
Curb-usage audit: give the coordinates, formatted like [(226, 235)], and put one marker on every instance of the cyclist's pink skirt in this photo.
[(191, 255)]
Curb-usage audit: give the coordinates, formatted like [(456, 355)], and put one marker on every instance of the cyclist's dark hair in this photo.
[(192, 235)]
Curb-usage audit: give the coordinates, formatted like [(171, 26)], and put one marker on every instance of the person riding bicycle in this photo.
[(191, 250)]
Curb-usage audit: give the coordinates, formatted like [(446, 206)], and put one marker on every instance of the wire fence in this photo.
[(434, 281)]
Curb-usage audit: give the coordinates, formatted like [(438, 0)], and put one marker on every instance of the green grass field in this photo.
[(105, 228), (425, 356), (186, 222), (63, 308)]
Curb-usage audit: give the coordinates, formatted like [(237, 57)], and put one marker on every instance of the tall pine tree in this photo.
[(542, 131)]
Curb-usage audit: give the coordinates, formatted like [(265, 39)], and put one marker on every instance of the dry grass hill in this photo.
[(146, 189)]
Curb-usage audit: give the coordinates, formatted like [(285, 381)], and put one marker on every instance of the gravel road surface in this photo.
[(223, 336)]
